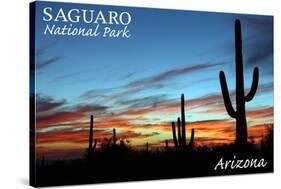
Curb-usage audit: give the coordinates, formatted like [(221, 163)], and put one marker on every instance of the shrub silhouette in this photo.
[(267, 140), (114, 145)]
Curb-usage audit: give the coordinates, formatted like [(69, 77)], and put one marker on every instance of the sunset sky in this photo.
[(134, 85)]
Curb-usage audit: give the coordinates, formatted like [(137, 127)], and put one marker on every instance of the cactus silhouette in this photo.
[(91, 147), (167, 145), (114, 137), (179, 131), (147, 147), (241, 99), (180, 141), (191, 141), (176, 143), (183, 120)]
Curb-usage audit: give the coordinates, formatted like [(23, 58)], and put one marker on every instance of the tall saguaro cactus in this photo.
[(241, 99)]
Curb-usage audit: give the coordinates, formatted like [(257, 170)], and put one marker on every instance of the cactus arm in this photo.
[(226, 96), (254, 86), (174, 134), (179, 132), (95, 144), (191, 142)]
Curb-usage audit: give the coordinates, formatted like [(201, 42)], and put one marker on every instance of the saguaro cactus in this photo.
[(91, 147), (91, 132), (114, 137), (183, 120), (241, 99), (180, 141)]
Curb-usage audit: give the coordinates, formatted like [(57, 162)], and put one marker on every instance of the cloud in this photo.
[(260, 113), (211, 104), (46, 103), (51, 112), (214, 104), (44, 49), (97, 93), (43, 59), (260, 52), (134, 135), (53, 128), (43, 63), (56, 118), (264, 88), (120, 95), (258, 23), (258, 47), (213, 129), (62, 136), (129, 75), (90, 108), (143, 102), (70, 135), (116, 94), (66, 76), (155, 82), (170, 75), (257, 33)]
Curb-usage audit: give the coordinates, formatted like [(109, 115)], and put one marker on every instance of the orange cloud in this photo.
[(261, 113), (57, 118)]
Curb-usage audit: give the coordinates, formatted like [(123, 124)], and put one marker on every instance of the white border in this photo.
[(14, 93)]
